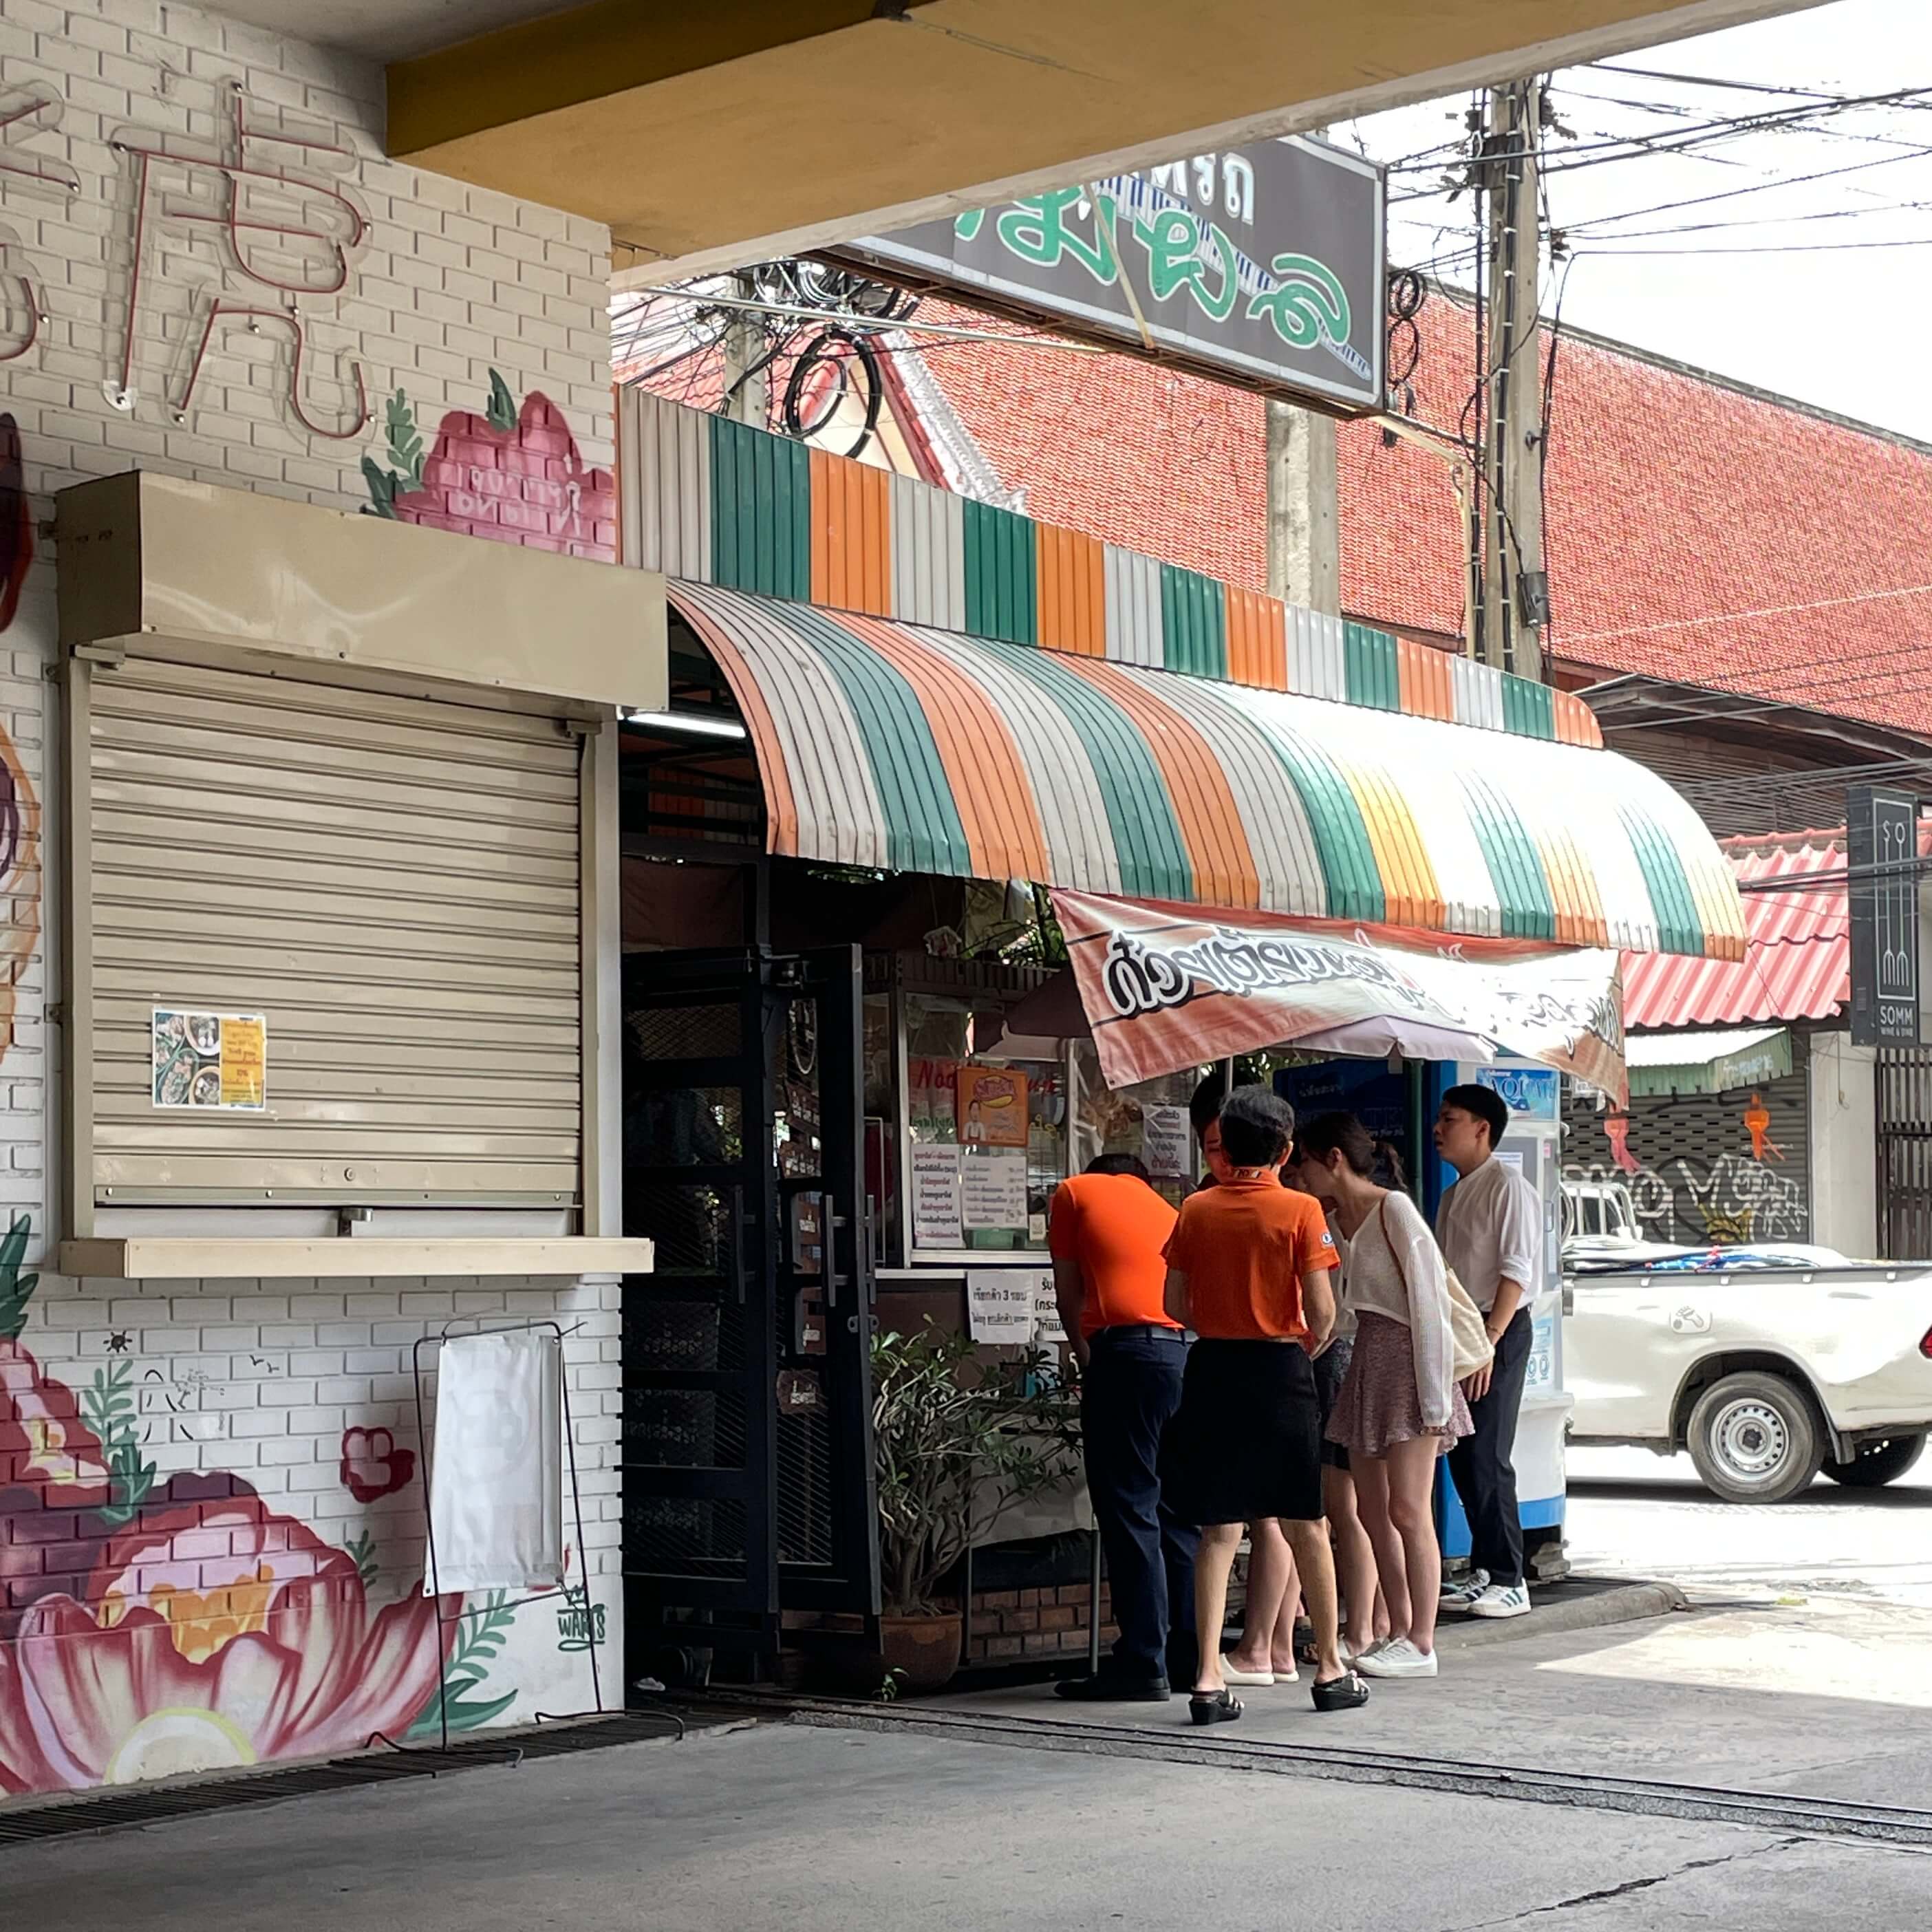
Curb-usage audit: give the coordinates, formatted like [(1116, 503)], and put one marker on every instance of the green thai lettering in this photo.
[(1036, 229), (1174, 240), (1306, 304), (969, 224)]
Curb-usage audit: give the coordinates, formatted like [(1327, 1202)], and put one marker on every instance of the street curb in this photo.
[(1622, 1604)]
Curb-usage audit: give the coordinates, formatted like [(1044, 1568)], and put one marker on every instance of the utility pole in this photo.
[(748, 386), (1513, 609), (1304, 554)]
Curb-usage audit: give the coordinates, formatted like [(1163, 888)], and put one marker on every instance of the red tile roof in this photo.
[(1697, 530), (1798, 963)]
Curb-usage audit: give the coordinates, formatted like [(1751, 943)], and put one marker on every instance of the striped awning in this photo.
[(908, 748)]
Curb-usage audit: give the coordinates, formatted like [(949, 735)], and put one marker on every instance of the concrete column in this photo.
[(1843, 1149), (1304, 541)]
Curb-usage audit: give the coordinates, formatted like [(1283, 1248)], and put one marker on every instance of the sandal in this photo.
[(1344, 1693), (1216, 1707)]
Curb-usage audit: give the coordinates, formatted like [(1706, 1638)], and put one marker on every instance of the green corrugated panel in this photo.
[(761, 511), (1193, 622), (1529, 710), (1375, 678), (1002, 582)]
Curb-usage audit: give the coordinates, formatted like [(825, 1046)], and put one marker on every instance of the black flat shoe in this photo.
[(1214, 1707), (1111, 1687), (1344, 1693)]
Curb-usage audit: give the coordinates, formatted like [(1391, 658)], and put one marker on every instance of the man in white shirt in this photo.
[(1490, 1228)]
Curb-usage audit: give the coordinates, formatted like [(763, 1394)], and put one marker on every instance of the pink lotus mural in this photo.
[(212, 1635)]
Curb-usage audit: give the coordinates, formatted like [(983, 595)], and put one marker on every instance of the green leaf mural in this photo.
[(17, 1286), (108, 1407), (479, 1641), (406, 452), (500, 413)]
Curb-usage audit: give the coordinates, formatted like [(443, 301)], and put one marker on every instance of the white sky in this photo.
[(1836, 326)]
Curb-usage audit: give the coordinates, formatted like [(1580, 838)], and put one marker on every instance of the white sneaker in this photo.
[(1457, 1597), (1398, 1657), (1502, 1600)]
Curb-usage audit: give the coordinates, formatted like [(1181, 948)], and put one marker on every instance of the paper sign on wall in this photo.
[(992, 1188), (1164, 1142), (992, 1105), (1001, 1305), (1049, 1329), (209, 1061), (935, 1196)]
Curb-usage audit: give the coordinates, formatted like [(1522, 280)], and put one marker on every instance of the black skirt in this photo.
[(1246, 1442)]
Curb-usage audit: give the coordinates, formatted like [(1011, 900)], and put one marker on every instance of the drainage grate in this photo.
[(154, 1803)]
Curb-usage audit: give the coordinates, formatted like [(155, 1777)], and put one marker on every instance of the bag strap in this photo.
[(1381, 1219)]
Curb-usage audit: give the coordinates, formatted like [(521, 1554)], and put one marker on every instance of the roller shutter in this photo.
[(393, 882)]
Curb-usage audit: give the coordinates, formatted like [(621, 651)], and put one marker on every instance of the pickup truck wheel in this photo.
[(1877, 1463), (1755, 1438)]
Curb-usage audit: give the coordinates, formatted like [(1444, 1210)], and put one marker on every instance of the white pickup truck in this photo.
[(1767, 1363)]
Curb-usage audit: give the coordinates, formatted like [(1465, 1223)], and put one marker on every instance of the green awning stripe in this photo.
[(1678, 928), (1153, 855), (1350, 874), (923, 830), (1516, 866)]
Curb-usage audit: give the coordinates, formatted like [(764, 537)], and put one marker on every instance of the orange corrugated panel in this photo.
[(851, 551), (1072, 612), (1257, 639), (1576, 722), (1425, 686)]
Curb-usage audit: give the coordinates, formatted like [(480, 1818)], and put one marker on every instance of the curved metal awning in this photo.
[(895, 745)]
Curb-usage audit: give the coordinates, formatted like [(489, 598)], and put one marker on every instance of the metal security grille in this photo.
[(394, 882), (1699, 1177), (1905, 1151)]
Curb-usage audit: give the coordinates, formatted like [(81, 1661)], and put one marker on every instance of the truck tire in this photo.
[(1756, 1439), (1877, 1463)]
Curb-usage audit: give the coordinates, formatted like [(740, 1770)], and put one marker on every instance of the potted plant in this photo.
[(957, 1439)]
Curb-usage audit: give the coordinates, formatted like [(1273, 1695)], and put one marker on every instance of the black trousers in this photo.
[(1485, 1477), (1128, 1394)]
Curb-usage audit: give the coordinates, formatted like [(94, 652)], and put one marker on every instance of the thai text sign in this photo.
[(1166, 987), (1264, 265)]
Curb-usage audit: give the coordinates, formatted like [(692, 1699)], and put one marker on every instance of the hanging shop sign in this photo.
[(1165, 987), (1882, 851), (1264, 265), (208, 1060)]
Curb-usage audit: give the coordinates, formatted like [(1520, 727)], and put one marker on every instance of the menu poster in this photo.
[(993, 1187), (1000, 1306), (992, 1107), (1164, 1142), (1047, 1327), (935, 1196), (930, 1083)]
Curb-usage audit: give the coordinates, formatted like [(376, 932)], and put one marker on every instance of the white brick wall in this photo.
[(260, 1381)]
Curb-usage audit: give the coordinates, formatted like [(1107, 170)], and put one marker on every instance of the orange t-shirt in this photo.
[(1116, 1227), (1244, 1246)]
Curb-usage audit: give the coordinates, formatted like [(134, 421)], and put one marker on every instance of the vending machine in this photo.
[(1533, 1143)]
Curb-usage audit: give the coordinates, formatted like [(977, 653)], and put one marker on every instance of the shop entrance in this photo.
[(746, 1450)]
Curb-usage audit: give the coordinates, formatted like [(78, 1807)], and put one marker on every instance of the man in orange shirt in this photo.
[(1107, 1235)]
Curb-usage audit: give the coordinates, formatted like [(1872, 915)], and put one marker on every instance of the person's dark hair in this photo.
[(1389, 1171), (1486, 1105), (1335, 1133), (1120, 1163), (1257, 1127), (1205, 1108)]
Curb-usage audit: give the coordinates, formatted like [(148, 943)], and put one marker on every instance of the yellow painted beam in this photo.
[(745, 128)]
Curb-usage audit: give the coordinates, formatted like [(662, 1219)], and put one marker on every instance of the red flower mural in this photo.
[(372, 1465), (53, 1474), (211, 1635)]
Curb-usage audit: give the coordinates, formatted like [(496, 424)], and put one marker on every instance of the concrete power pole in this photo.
[(748, 396), (1515, 600), (1304, 554)]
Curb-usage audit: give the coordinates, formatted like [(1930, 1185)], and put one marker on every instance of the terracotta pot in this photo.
[(925, 1649)]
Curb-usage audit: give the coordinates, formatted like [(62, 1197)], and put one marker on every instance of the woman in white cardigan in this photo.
[(1400, 1408)]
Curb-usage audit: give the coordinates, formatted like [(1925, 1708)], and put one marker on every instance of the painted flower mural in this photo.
[(53, 1477), (211, 1635)]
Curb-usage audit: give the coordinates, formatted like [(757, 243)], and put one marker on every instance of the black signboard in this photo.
[(1264, 265), (1881, 845)]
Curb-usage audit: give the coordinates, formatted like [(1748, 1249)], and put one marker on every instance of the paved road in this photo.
[(1634, 1514)]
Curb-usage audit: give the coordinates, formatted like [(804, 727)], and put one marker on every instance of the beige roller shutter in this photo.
[(393, 881)]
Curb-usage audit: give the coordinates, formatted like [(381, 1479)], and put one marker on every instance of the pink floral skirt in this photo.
[(1379, 1405)]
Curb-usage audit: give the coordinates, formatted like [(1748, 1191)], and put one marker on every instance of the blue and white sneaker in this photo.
[(1502, 1600), (1461, 1595)]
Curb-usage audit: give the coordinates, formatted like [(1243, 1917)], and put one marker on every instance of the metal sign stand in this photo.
[(448, 1332)]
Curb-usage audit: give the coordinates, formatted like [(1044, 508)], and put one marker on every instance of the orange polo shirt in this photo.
[(1244, 1246), (1116, 1227)]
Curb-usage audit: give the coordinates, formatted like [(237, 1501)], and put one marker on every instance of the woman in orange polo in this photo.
[(1249, 1271)]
